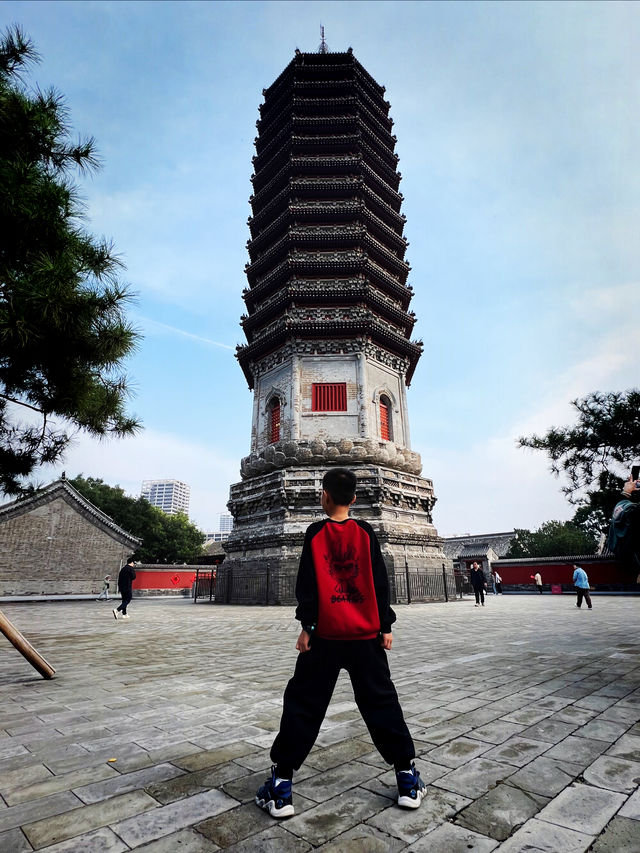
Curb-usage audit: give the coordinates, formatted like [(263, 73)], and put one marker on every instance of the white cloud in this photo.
[(150, 456), (153, 325)]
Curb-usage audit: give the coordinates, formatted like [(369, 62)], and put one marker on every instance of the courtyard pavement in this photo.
[(155, 732)]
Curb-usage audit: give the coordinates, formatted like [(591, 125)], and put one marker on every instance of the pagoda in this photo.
[(328, 327)]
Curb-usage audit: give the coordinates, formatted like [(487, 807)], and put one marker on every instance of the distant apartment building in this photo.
[(225, 522), (215, 536), (171, 496), (225, 526)]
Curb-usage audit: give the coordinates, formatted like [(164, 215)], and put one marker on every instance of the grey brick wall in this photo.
[(54, 549)]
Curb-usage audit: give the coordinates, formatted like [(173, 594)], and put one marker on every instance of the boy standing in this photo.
[(343, 607)]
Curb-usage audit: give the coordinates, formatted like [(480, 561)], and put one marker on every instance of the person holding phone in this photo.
[(623, 539)]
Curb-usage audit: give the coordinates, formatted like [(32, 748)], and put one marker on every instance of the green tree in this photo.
[(552, 539), (166, 538), (606, 439), (594, 513), (63, 331)]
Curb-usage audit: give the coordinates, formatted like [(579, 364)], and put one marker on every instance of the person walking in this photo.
[(104, 594), (537, 579), (498, 582), (343, 607), (581, 583), (478, 582), (125, 585)]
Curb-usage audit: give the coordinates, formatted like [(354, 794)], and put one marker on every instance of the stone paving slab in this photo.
[(101, 840), (616, 774), (363, 839), (500, 811), (411, 824), (14, 840), (537, 836), (166, 819), (545, 776), (190, 725), (274, 840), (632, 807), (475, 777), (448, 838), (517, 751), (621, 834), (583, 808), (184, 841), (51, 830), (65, 782), (333, 817)]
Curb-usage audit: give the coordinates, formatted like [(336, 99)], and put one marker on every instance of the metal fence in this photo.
[(408, 586), (204, 585), (253, 585)]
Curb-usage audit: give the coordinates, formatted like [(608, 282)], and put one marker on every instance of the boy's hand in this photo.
[(386, 640), (303, 641)]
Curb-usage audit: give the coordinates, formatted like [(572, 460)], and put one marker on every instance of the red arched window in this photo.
[(385, 419), (274, 420)]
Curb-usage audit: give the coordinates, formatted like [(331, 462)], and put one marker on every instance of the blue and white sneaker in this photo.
[(276, 799), (411, 788)]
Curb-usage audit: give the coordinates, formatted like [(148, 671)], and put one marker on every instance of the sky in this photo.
[(518, 141)]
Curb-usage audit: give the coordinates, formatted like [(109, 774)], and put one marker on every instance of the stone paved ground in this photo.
[(155, 732)]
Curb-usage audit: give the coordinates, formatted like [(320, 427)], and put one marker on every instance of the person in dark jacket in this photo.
[(345, 615), (624, 530), (478, 582), (125, 583)]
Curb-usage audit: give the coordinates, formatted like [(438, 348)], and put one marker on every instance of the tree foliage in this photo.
[(605, 440), (166, 538), (552, 539), (63, 330), (594, 512)]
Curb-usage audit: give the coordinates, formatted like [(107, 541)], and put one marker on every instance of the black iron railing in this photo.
[(259, 584), (204, 585)]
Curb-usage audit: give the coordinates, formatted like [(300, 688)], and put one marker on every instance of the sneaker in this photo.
[(476, 605), (411, 788), (276, 799), (115, 613), (126, 616), (483, 603)]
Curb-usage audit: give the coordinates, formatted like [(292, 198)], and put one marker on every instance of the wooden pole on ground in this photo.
[(25, 648)]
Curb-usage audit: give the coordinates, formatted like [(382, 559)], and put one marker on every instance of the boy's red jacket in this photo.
[(342, 585)]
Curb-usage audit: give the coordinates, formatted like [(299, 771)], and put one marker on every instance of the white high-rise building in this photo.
[(171, 496), (225, 522)]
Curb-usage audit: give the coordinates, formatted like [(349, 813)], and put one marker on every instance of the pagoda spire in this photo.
[(323, 47)]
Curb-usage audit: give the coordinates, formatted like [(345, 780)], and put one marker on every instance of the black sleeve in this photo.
[(306, 586), (133, 574), (381, 583)]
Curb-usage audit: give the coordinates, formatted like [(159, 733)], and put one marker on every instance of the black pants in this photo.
[(539, 585), (479, 595), (126, 601), (498, 589), (309, 692), (583, 591)]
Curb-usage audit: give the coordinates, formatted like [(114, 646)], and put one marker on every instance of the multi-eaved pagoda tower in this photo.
[(328, 326)]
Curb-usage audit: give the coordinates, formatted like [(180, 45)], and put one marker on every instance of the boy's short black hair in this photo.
[(340, 483)]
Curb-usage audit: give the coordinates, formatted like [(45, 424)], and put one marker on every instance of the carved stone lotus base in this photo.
[(346, 452)]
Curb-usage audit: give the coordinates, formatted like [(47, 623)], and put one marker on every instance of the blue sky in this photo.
[(518, 141)]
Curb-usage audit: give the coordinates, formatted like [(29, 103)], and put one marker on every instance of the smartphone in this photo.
[(635, 472)]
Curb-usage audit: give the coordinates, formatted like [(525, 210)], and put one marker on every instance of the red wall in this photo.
[(602, 571), (173, 577)]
